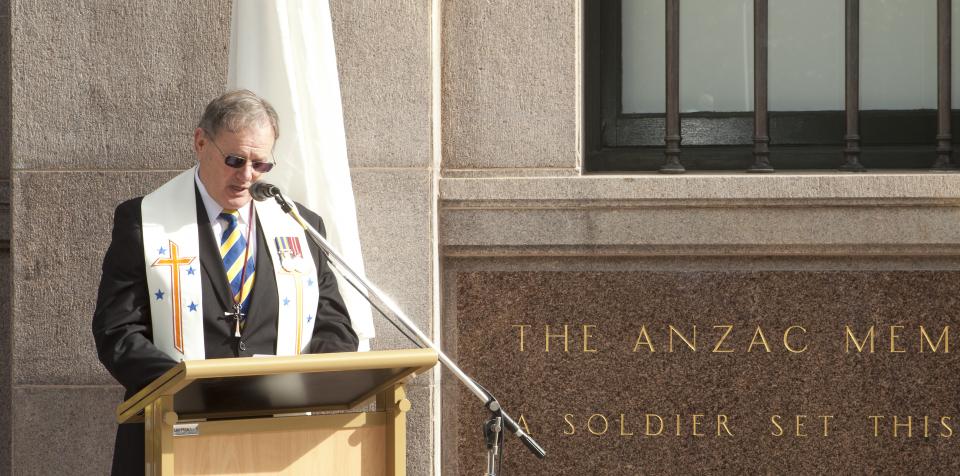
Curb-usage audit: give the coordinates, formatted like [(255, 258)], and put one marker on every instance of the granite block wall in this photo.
[(611, 388), (102, 109), (5, 400), (99, 107), (384, 56), (384, 60), (5, 270), (5, 117), (518, 227), (510, 87)]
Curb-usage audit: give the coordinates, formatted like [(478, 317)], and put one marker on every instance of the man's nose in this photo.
[(246, 172)]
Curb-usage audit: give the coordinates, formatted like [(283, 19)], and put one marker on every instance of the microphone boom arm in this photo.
[(360, 282)]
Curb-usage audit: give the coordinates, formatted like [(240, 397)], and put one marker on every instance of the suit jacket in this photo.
[(123, 331)]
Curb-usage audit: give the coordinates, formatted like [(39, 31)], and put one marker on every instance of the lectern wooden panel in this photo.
[(247, 415)]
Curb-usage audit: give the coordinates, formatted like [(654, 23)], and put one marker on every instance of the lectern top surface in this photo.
[(264, 385)]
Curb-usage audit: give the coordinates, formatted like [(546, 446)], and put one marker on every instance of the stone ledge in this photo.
[(704, 189), (947, 256), (658, 230), (511, 172), (709, 214)]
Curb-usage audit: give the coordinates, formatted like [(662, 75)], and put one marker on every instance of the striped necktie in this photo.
[(233, 249)]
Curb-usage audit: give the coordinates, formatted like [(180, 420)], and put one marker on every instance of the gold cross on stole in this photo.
[(174, 261)]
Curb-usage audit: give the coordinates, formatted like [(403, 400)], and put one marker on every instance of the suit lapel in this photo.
[(261, 317)]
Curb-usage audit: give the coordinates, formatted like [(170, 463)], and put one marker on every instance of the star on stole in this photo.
[(286, 301), (159, 295), (310, 282), (190, 271), (162, 251), (192, 306), (309, 318)]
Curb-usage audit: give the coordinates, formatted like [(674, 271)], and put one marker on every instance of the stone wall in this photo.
[(104, 99), (5, 275), (509, 86), (99, 106), (384, 56), (587, 397), (524, 238), (98, 103)]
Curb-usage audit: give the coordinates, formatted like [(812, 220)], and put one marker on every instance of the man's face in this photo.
[(226, 185)]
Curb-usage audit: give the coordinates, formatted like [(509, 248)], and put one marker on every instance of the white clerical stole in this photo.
[(171, 249)]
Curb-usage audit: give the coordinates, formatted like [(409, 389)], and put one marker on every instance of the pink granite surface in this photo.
[(743, 389)]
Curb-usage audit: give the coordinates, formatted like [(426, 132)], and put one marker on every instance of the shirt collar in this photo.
[(212, 207)]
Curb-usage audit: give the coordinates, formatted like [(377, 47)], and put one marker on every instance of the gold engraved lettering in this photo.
[(586, 338), (659, 422), (572, 430), (799, 427), (775, 419), (858, 344), (944, 337), (826, 424), (623, 427), (696, 422), (758, 333), (692, 346), (565, 335), (523, 328), (606, 424), (523, 421), (716, 348), (876, 424), (786, 340), (725, 341), (643, 339), (893, 340), (722, 423), (908, 425)]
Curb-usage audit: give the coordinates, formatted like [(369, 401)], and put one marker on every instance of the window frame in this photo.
[(615, 141)]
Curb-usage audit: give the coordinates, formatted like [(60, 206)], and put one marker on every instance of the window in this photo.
[(758, 85)]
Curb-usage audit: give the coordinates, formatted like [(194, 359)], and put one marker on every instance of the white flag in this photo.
[(284, 52)]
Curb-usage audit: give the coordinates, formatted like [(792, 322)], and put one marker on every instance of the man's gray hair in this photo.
[(236, 111)]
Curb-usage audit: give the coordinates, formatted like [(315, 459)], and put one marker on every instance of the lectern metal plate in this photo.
[(186, 429)]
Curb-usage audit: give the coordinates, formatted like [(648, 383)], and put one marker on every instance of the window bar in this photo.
[(851, 148), (761, 135), (672, 137), (944, 99)]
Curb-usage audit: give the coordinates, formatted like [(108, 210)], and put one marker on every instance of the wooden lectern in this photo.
[(248, 415)]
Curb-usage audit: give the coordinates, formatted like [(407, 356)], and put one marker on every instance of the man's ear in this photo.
[(199, 140)]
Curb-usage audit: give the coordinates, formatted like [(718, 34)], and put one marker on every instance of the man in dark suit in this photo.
[(233, 144)]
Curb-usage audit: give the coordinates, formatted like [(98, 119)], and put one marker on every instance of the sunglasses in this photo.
[(238, 162)]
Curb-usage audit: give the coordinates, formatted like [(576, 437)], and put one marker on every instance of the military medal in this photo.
[(291, 255)]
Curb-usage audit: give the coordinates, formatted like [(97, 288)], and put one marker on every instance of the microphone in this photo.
[(261, 191)]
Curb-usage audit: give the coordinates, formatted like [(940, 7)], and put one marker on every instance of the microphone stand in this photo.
[(497, 414), (494, 436)]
